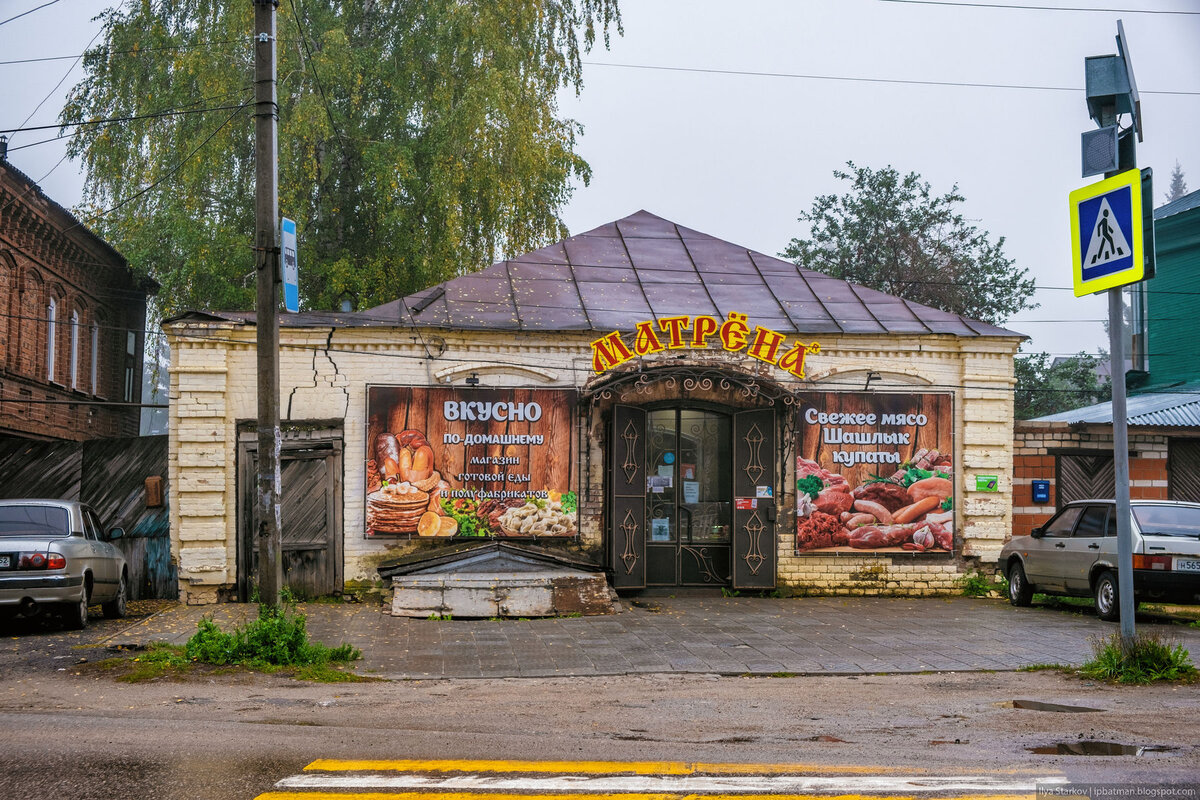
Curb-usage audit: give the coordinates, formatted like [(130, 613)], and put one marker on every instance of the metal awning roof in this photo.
[(644, 267), (1170, 407)]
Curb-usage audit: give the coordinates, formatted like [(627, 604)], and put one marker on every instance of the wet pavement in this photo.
[(707, 635)]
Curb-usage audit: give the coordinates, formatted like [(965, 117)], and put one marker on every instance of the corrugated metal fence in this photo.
[(109, 475)]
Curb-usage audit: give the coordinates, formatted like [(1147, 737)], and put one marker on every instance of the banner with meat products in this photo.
[(875, 472), (470, 462)]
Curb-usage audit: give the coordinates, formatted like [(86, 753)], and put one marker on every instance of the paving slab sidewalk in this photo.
[(731, 636)]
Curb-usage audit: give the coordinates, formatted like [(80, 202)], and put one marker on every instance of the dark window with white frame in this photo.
[(131, 376), (74, 350), (51, 313), (95, 371)]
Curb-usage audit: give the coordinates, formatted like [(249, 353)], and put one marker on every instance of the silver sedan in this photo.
[(54, 555), (1075, 553)]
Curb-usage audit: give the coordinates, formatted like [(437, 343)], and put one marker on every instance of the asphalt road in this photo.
[(235, 737), (68, 729)]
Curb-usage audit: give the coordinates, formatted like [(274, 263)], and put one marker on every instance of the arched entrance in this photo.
[(691, 483)]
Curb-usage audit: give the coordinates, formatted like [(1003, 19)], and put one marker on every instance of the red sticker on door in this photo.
[(745, 503)]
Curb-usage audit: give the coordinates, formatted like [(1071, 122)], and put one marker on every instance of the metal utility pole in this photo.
[(266, 250)]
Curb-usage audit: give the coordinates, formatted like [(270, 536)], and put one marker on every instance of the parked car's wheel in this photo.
[(115, 608), (75, 615), (1108, 601), (1020, 593)]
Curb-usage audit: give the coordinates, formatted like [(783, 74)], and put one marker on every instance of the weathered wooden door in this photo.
[(1084, 477), (754, 540), (627, 509), (1183, 470), (310, 471)]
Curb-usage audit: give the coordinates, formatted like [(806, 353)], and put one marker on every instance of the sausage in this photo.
[(874, 509), (387, 449), (858, 520), (916, 510)]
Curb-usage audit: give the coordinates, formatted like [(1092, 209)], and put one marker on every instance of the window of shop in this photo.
[(690, 497)]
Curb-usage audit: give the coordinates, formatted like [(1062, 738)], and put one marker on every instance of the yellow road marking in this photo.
[(477, 796), (627, 767), (598, 767)]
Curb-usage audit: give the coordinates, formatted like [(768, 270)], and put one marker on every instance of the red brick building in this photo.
[(72, 319)]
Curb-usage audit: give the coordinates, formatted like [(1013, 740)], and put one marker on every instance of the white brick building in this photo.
[(680, 445)]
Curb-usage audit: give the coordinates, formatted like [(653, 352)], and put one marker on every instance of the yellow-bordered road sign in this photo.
[(1106, 233)]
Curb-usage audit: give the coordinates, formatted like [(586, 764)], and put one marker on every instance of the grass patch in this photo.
[(1055, 601), (1046, 668), (976, 584), (276, 642), (1148, 659)]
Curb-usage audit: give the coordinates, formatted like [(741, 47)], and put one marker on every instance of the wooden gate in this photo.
[(310, 472), (110, 475), (1083, 477), (1183, 469)]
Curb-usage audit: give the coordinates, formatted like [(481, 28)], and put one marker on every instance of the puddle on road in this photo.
[(1038, 705), (1094, 748)]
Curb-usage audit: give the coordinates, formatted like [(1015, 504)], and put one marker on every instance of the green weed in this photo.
[(440, 617), (977, 584), (1147, 659), (1046, 668), (727, 592)]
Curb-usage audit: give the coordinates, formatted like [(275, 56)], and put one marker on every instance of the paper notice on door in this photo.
[(691, 491), (745, 503)]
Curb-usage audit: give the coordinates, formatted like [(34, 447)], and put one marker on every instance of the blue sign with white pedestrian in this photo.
[(1106, 233), (291, 269)]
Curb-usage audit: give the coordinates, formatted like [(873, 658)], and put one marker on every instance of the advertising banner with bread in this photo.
[(875, 472), (470, 462)]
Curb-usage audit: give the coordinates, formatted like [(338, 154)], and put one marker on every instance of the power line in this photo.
[(165, 112), (1043, 8), (137, 51), (131, 118), (30, 11), (50, 93), (817, 77), (173, 170)]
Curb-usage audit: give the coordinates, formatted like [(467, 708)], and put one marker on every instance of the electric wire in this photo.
[(854, 79), (130, 118), (30, 11), (1012, 6), (138, 51)]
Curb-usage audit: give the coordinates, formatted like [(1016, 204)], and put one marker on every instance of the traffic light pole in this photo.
[(266, 251)]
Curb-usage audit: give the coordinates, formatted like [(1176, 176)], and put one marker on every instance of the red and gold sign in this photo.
[(684, 332)]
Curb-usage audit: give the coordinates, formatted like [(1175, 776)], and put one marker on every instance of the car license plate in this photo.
[(1187, 564), (5, 561)]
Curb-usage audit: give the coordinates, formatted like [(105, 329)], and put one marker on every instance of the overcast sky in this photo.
[(738, 156)]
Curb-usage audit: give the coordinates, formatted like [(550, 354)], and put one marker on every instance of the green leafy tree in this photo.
[(891, 233), (417, 140), (1178, 184), (1044, 387)]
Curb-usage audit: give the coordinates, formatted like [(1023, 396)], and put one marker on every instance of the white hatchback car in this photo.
[(54, 554), (1075, 553)]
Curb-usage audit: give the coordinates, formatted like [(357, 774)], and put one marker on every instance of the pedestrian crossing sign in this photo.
[(1106, 233)]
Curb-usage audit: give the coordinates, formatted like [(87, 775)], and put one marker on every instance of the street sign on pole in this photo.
[(291, 271), (1106, 233)]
